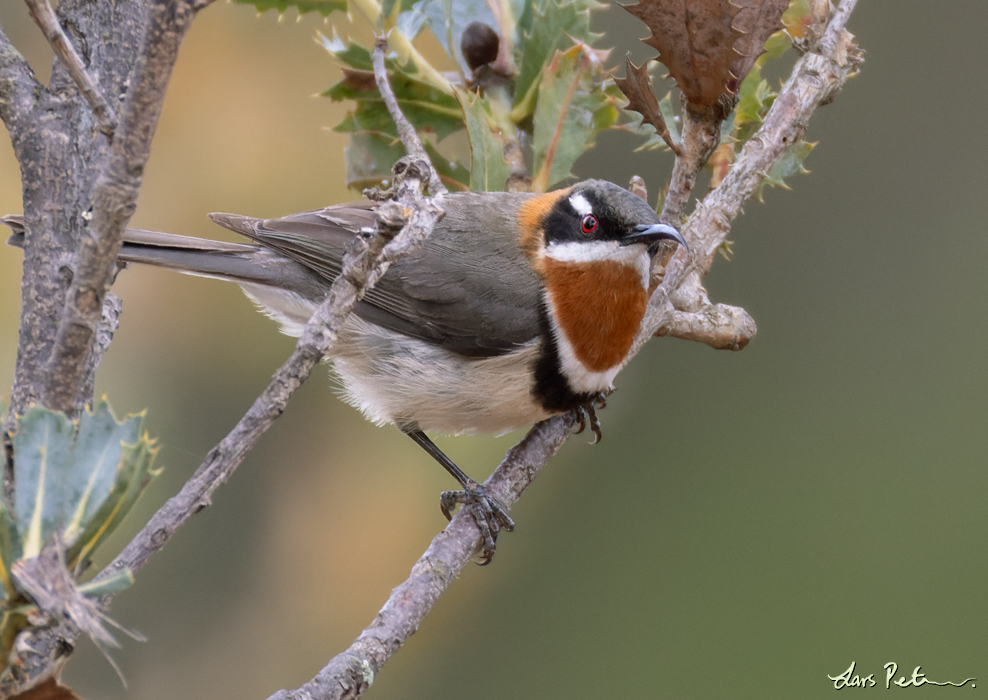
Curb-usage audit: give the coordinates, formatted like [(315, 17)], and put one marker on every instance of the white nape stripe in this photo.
[(634, 256), (580, 204)]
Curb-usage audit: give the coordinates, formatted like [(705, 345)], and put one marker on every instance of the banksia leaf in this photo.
[(757, 20), (695, 40), (789, 163), (75, 477), (709, 45), (488, 169), (570, 112), (637, 87), (554, 26)]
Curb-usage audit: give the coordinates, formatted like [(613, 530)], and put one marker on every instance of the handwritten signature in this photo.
[(850, 679)]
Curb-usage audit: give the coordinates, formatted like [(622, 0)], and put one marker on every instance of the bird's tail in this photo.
[(236, 262)]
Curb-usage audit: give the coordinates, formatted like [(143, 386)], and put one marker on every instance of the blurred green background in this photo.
[(751, 522)]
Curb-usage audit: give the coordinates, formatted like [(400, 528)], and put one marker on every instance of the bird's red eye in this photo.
[(589, 224)]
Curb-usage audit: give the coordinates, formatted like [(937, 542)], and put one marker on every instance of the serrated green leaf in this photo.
[(97, 521), (488, 169), (323, 7), (78, 477), (776, 45), (10, 542), (755, 97), (789, 163), (10, 548), (653, 141), (670, 117), (350, 54), (426, 107), (570, 111), (552, 26)]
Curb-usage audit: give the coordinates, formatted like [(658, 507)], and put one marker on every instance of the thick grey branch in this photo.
[(114, 200), (406, 132), (48, 22), (18, 88)]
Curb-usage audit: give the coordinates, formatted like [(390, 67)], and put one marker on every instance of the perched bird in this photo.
[(517, 308)]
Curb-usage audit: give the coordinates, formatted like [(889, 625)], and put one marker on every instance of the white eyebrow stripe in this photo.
[(580, 204)]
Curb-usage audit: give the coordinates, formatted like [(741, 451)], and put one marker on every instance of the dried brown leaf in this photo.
[(720, 163), (695, 40), (359, 80), (709, 45), (756, 20), (637, 87)]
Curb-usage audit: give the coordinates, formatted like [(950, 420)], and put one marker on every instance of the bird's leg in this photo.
[(490, 515), (587, 413)]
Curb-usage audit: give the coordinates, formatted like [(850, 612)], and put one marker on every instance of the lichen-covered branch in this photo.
[(114, 199), (406, 132), (18, 88), (47, 21), (721, 326)]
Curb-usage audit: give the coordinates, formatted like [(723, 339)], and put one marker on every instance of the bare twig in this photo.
[(109, 321), (700, 136), (406, 132), (47, 21), (114, 200), (720, 326)]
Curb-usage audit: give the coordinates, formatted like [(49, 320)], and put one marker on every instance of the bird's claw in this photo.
[(491, 517), (586, 414)]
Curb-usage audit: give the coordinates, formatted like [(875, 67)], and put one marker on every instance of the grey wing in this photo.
[(439, 293)]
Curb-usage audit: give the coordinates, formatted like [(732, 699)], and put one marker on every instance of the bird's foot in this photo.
[(586, 414), (491, 517)]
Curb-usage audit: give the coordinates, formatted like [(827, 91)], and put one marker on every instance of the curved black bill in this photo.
[(649, 234)]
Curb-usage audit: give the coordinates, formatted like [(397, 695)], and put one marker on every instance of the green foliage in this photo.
[(489, 171), (568, 114), (789, 163), (544, 104), (323, 7), (75, 478), (425, 106), (653, 141), (551, 27)]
